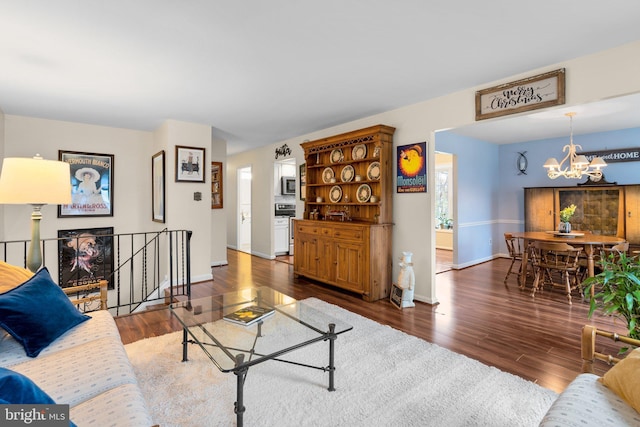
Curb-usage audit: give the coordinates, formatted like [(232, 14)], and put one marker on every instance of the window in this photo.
[(444, 196)]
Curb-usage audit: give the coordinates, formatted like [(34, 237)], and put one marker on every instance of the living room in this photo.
[(489, 199)]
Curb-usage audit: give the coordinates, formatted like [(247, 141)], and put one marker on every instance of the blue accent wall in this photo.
[(490, 203)]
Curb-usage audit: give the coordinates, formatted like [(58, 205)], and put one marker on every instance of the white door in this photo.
[(244, 209)]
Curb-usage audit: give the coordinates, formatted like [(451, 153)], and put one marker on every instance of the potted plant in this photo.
[(617, 290), (565, 217)]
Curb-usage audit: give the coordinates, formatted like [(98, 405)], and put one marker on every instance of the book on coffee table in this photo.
[(249, 315)]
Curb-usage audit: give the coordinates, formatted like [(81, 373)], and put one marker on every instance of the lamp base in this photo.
[(34, 255)]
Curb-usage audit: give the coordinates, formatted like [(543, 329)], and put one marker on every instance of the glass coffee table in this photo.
[(235, 348)]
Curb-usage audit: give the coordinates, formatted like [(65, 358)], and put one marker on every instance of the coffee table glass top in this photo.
[(293, 325)]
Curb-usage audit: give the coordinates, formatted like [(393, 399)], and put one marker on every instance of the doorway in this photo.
[(244, 209), (445, 211)]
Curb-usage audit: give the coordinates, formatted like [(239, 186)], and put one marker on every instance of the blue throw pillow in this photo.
[(15, 388), (37, 312)]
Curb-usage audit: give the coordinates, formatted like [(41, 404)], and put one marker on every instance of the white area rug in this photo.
[(384, 377)]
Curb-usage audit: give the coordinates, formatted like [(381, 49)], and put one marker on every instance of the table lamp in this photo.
[(34, 181)]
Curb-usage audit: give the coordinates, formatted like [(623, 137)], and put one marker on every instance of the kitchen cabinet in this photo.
[(281, 235), (345, 237)]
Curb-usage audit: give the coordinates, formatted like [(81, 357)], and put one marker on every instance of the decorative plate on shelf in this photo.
[(327, 174), (336, 155), (335, 194), (364, 193), (373, 172), (347, 173), (359, 152)]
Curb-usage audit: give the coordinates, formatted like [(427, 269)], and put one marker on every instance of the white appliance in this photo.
[(284, 213)]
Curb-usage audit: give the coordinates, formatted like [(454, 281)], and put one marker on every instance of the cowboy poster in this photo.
[(91, 184)]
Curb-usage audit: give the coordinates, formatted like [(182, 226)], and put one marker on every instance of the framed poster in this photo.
[(189, 164), (303, 181), (412, 168), (157, 187), (86, 256), (91, 184), (216, 185)]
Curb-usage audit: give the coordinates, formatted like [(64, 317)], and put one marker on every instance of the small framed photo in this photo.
[(396, 296), (158, 187), (190, 163), (91, 184), (216, 185)]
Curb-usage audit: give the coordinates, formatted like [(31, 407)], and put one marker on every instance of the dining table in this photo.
[(588, 241)]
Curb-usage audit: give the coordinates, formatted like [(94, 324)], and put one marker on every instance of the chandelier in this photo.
[(577, 165)]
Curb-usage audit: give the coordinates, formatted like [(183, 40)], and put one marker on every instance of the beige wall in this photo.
[(132, 150), (607, 74)]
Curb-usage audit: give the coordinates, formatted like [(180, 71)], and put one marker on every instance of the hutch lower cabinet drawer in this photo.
[(355, 257)]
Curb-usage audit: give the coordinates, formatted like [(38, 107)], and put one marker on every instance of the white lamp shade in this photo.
[(581, 161), (598, 163), (551, 163), (35, 181)]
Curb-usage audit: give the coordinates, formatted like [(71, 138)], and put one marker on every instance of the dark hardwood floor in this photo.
[(478, 316)]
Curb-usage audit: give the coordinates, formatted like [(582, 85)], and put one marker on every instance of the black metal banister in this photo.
[(125, 265)]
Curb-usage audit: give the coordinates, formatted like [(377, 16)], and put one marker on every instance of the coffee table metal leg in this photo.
[(332, 340), (238, 406), (184, 345)]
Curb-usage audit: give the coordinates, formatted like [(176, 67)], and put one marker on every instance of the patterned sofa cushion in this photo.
[(120, 406), (101, 325), (587, 402)]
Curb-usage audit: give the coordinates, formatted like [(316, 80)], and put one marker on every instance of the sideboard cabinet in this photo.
[(345, 236), (612, 210)]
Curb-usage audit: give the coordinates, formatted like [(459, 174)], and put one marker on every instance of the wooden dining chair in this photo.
[(560, 258), (515, 247)]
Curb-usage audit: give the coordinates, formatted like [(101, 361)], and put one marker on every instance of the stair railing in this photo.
[(144, 268)]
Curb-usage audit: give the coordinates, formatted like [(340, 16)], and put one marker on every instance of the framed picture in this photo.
[(157, 187), (216, 185), (412, 168), (396, 296), (303, 181), (86, 256), (189, 164), (532, 93), (91, 184)]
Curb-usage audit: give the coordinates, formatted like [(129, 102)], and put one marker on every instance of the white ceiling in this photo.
[(262, 71)]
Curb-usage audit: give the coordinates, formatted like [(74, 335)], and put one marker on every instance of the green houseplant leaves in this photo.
[(617, 290)]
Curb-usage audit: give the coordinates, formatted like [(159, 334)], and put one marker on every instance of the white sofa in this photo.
[(87, 367), (587, 401)]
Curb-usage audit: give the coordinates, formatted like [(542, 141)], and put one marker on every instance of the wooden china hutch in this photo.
[(345, 237)]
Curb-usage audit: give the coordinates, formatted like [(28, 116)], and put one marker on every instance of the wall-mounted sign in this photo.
[(615, 156), (412, 168), (283, 151), (540, 91)]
